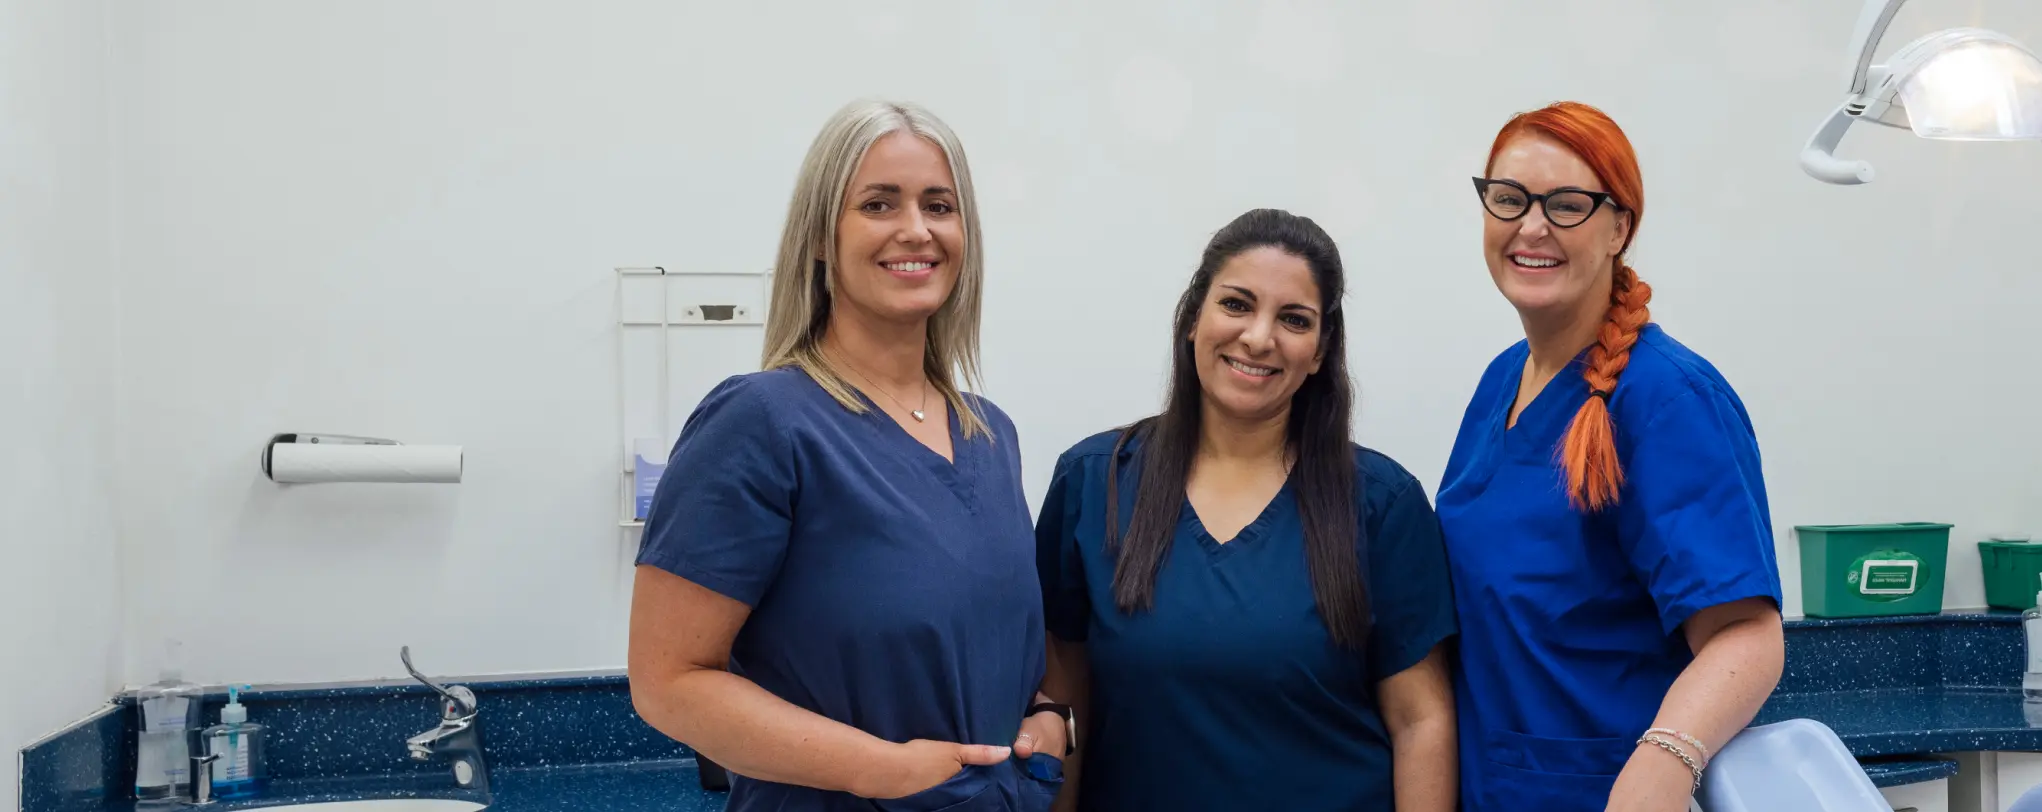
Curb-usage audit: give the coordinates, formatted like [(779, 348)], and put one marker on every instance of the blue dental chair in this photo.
[(1798, 765), (2030, 801)]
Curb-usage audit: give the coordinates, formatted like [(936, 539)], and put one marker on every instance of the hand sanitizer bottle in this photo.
[(171, 709), (2031, 632), (242, 769)]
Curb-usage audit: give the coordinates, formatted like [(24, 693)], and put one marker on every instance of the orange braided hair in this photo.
[(1588, 454)]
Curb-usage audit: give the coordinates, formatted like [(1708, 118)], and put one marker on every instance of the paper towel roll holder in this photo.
[(315, 438)]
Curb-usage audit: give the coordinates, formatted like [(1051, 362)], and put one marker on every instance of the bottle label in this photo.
[(165, 714), (232, 767)]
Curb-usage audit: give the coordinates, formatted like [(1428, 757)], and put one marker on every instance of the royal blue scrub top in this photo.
[(1229, 693), (890, 589), (1570, 623)]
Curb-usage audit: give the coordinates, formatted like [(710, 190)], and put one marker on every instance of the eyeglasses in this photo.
[(1566, 208)]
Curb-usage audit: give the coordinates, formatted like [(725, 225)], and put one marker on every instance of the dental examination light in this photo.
[(1958, 84)]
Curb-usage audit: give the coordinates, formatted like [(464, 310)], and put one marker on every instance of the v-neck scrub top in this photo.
[(1229, 692), (890, 589), (1571, 622)]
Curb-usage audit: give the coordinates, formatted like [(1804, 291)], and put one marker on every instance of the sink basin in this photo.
[(380, 805)]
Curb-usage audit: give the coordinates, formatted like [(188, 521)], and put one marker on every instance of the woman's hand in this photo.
[(1654, 780), (1042, 733), (921, 764)]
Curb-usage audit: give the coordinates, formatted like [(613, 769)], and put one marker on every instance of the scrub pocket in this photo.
[(1525, 773), (1042, 776), (972, 789)]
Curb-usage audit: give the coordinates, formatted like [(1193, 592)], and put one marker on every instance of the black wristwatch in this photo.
[(1070, 722)]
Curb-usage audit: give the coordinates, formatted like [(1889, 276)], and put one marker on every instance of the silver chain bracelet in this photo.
[(1668, 746)]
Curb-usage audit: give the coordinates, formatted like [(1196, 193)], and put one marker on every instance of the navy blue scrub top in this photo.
[(890, 589), (1570, 623), (1229, 693)]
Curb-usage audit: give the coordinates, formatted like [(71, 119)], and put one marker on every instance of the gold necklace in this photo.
[(920, 415)]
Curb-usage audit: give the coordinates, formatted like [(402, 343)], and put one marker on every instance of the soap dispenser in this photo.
[(240, 770), (2031, 633), (170, 710)]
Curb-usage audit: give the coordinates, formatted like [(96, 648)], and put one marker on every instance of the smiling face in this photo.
[(1540, 267), (900, 238), (1258, 333)]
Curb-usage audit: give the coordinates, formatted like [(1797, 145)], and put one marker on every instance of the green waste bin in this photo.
[(1865, 570), (2012, 571)]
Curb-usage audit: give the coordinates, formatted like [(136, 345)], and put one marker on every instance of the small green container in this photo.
[(1864, 570), (2013, 573)]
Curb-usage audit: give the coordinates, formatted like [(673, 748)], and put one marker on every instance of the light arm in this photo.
[(1819, 159), (1740, 652), (1418, 709), (1872, 23)]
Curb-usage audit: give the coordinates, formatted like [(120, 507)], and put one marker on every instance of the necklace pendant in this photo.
[(919, 415)]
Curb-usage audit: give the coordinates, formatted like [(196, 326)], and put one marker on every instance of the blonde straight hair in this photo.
[(799, 313)]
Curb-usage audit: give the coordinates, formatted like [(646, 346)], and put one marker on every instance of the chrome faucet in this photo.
[(458, 736)]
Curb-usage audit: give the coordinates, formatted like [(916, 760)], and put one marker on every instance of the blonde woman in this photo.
[(836, 596)]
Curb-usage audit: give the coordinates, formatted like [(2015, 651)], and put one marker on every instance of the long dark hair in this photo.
[(1318, 432)]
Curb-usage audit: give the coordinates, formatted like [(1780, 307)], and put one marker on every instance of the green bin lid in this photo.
[(1892, 527)]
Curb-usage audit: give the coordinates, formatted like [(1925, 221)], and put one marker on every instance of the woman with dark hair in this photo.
[(1245, 608)]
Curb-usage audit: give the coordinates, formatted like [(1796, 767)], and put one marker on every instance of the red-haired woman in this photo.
[(1604, 510)]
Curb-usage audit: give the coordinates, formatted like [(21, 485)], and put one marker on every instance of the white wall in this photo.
[(59, 588), (399, 219)]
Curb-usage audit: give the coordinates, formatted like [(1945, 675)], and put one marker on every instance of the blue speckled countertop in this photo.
[(564, 744), (1950, 650), (1945, 618), (669, 786), (1897, 690), (1910, 685), (649, 787), (1896, 721), (652, 786), (1909, 771)]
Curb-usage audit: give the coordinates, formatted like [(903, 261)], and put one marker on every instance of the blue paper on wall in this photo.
[(649, 464)]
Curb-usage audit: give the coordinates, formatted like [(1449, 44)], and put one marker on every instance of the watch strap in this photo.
[(1070, 722)]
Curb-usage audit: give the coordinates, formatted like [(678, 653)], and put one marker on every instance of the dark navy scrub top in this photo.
[(1570, 623), (890, 589), (1229, 693)]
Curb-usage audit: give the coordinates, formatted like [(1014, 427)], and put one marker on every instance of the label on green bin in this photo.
[(1885, 575)]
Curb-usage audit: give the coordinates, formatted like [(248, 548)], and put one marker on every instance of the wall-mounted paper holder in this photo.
[(676, 309), (303, 457), (269, 448)]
